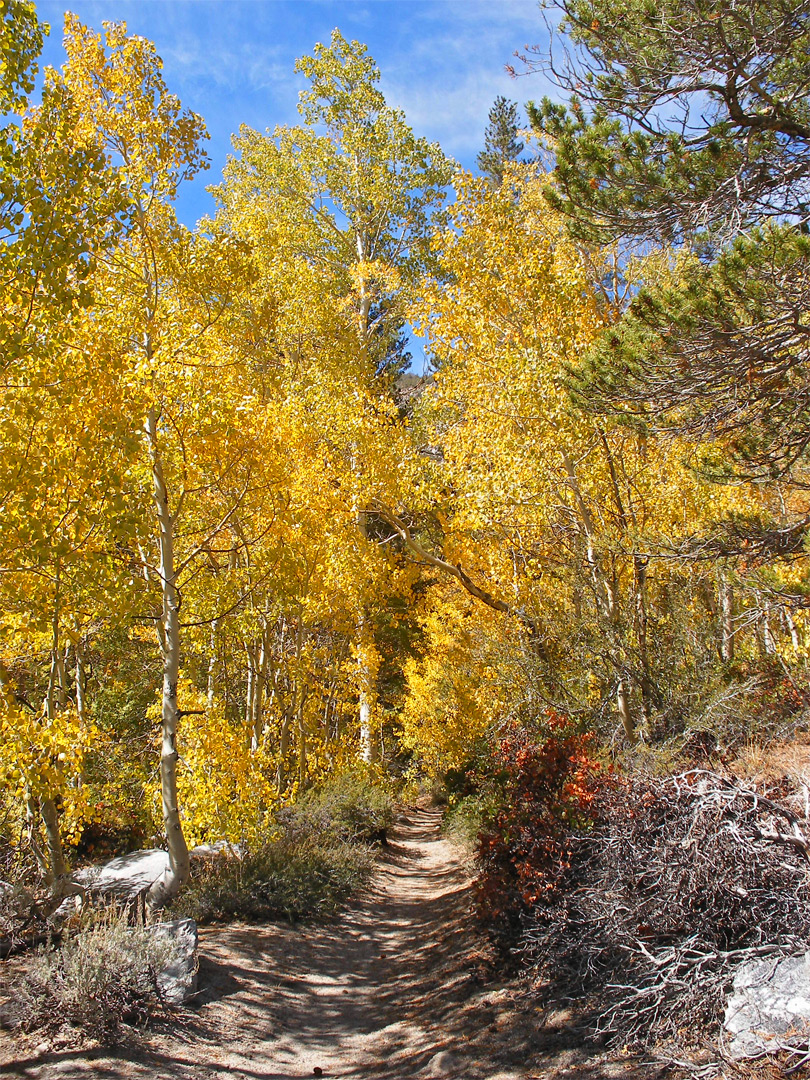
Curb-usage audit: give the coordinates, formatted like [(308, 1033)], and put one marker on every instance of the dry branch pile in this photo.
[(677, 883)]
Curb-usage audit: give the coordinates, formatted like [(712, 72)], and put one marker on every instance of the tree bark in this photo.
[(55, 700), (648, 692), (726, 618), (81, 706), (368, 747), (625, 711), (175, 876), (605, 593), (211, 687)]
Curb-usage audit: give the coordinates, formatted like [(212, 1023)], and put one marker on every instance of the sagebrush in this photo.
[(319, 855), (104, 977)]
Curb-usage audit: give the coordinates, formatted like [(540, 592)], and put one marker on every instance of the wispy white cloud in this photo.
[(442, 61), (457, 65)]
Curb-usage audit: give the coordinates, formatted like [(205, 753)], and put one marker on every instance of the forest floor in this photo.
[(399, 985)]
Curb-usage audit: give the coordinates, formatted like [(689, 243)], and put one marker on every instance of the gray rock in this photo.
[(126, 875), (445, 1063), (218, 848), (769, 1005), (177, 981)]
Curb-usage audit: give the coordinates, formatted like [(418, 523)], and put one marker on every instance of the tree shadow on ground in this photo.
[(397, 986)]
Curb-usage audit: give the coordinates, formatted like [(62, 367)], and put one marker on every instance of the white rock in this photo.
[(769, 1005), (126, 875), (177, 981), (217, 848), (445, 1063)]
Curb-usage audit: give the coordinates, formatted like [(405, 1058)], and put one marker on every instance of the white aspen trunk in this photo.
[(300, 692), (365, 299), (175, 876), (293, 710), (329, 711), (260, 683), (794, 633), (81, 704), (283, 751), (250, 688), (726, 618), (81, 701), (211, 688), (274, 669), (368, 745), (366, 686), (55, 699), (625, 711), (302, 747), (647, 687), (768, 642), (605, 597)]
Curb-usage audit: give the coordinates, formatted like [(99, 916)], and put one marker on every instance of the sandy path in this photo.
[(390, 989)]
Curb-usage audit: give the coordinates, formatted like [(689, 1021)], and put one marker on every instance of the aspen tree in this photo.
[(167, 289), (339, 212)]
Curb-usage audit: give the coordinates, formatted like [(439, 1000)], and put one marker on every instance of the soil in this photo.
[(399, 985)]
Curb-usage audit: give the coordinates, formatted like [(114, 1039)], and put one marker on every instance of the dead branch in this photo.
[(678, 883)]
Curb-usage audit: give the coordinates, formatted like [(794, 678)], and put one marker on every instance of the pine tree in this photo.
[(501, 144), (689, 124)]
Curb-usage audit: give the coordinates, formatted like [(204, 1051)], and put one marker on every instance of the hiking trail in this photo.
[(393, 987)]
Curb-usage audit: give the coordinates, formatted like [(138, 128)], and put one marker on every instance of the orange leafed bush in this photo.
[(547, 788)]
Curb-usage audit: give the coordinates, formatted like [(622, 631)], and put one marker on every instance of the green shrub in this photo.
[(282, 880), (103, 977), (321, 854), (466, 816), (349, 806)]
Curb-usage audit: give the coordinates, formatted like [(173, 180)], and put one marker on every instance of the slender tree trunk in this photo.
[(625, 711), (647, 688), (56, 855), (303, 750), (81, 704), (301, 701), (768, 642), (32, 816), (211, 688), (726, 599), (175, 876), (251, 685), (55, 700), (283, 751), (794, 633), (260, 684), (81, 701), (605, 592), (368, 745), (293, 709)]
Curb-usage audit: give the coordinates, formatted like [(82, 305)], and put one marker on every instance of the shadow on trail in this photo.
[(390, 989)]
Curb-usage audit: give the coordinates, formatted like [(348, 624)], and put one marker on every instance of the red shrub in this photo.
[(546, 791)]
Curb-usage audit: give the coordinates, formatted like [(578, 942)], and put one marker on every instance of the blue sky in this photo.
[(442, 61)]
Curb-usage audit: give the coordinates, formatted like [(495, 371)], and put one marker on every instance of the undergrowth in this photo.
[(541, 789), (637, 896), (97, 980), (321, 853)]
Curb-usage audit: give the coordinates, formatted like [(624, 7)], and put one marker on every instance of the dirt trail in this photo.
[(390, 989)]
